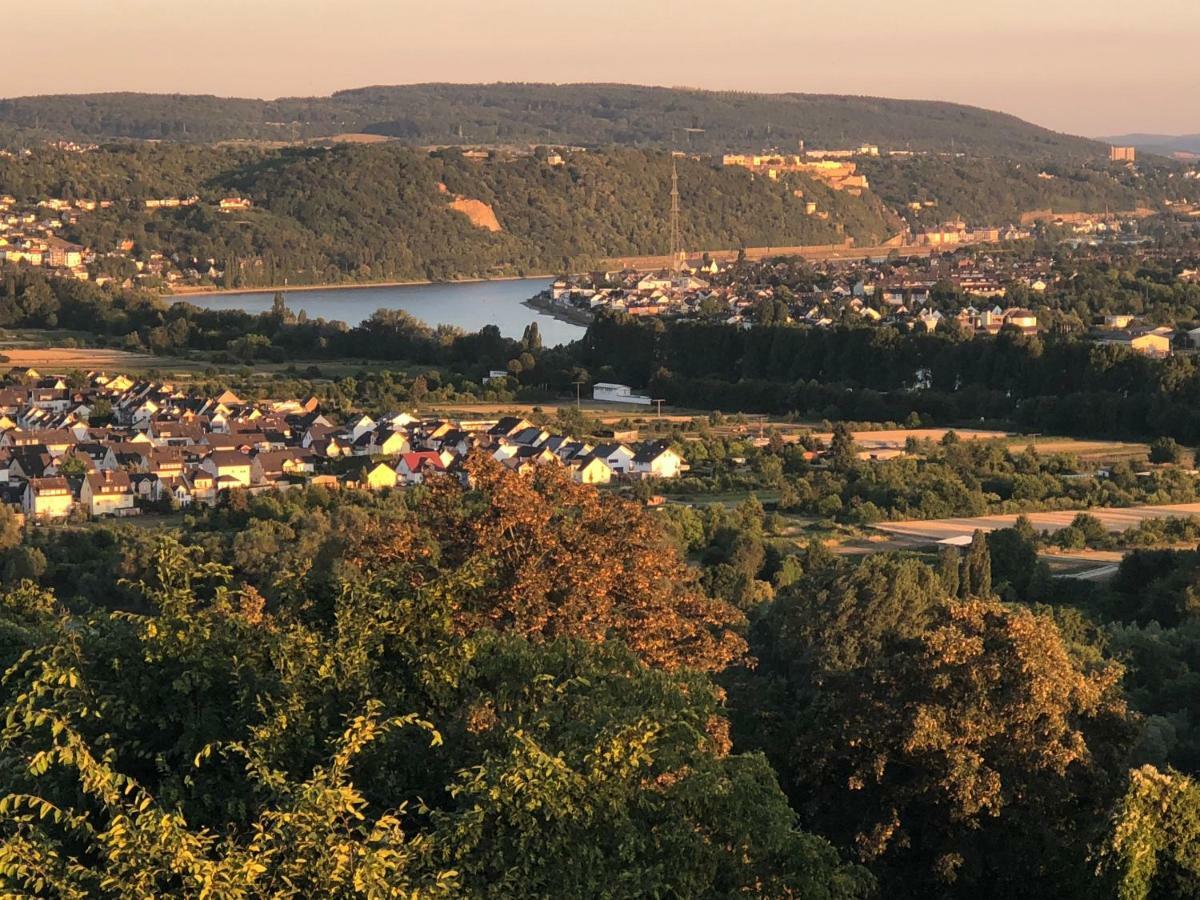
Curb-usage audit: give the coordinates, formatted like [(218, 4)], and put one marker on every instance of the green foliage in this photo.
[(997, 191), (1164, 450), (1154, 847), (352, 739), (957, 746), (1059, 384)]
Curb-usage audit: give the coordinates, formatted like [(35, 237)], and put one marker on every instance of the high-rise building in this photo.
[(1122, 154)]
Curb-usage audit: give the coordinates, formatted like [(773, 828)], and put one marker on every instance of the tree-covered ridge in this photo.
[(383, 212), (999, 191), (576, 114)]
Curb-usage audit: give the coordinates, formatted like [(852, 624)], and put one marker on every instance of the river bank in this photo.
[(181, 293), (543, 302)]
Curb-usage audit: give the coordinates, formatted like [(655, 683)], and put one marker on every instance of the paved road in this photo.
[(1103, 573)]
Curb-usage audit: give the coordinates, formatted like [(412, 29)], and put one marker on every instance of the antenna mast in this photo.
[(676, 249)]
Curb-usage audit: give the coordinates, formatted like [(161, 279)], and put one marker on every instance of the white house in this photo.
[(618, 456), (230, 468), (608, 392), (657, 461)]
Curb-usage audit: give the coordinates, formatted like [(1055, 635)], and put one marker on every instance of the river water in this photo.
[(469, 305)]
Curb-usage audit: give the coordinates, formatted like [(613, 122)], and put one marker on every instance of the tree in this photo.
[(945, 742), (531, 340), (72, 465), (638, 797), (843, 452), (10, 529), (545, 557), (1013, 559), (976, 578), (215, 746), (949, 569), (101, 412)]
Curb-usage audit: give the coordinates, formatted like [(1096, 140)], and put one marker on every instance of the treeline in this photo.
[(1057, 384), (574, 114), (373, 213), (951, 478)]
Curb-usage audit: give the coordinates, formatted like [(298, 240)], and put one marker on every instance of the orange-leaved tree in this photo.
[(541, 556)]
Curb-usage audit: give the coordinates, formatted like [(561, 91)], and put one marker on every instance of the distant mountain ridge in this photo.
[(1163, 144), (523, 113)]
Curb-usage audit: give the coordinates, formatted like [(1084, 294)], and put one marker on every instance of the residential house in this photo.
[(107, 493), (413, 467), (657, 460), (231, 468), (48, 498), (375, 477), (592, 470), (618, 456)]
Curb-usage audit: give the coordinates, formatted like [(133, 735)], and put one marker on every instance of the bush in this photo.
[(1164, 450)]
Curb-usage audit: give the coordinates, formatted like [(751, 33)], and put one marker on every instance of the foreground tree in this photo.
[(955, 746), (214, 746), (544, 557)]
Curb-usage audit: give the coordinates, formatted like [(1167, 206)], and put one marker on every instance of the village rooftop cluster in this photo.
[(884, 291), (167, 447), (900, 292), (31, 234)]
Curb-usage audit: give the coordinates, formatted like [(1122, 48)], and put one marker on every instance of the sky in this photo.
[(1092, 67)]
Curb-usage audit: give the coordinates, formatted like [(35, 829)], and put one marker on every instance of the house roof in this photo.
[(414, 461), (54, 485), (649, 452), (228, 458), (109, 482)]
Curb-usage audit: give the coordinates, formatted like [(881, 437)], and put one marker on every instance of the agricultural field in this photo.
[(917, 533)]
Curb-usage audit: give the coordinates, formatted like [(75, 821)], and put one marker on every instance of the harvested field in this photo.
[(897, 438), (1114, 519), (60, 359)]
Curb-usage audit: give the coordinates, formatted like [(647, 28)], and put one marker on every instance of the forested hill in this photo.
[(577, 114), (369, 213)]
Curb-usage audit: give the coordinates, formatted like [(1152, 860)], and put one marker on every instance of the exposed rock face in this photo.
[(481, 214)]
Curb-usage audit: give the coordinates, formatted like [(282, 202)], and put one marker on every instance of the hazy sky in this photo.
[(1085, 66)]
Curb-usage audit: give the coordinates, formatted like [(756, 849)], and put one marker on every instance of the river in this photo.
[(469, 305)]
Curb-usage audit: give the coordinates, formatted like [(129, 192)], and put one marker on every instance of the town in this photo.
[(974, 290), (162, 447)]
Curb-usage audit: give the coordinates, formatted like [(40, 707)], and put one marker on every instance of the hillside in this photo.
[(576, 114), (1000, 191), (380, 212)]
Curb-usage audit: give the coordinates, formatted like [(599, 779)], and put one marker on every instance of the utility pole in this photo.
[(659, 402), (578, 385)]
